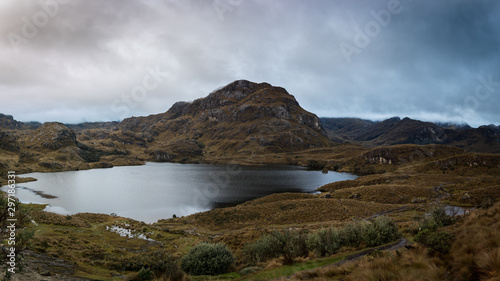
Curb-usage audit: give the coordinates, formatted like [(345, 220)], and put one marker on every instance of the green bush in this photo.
[(208, 259), (438, 241), (324, 241), (267, 247), (289, 244), (438, 218), (294, 245), (22, 216), (430, 224), (351, 235), (145, 274), (381, 231), (441, 218)]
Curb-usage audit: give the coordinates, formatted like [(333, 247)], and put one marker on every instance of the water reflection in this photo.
[(160, 190)]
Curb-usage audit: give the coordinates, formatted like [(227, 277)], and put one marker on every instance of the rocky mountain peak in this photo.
[(241, 117), (238, 89)]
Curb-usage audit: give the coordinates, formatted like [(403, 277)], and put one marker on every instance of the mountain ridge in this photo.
[(395, 131), (242, 119), (242, 122)]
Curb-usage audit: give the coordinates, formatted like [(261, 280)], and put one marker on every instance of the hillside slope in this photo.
[(394, 131)]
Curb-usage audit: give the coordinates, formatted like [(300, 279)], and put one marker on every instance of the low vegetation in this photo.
[(301, 236), (208, 259), (472, 255)]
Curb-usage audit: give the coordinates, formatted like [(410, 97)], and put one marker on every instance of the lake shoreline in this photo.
[(218, 186)]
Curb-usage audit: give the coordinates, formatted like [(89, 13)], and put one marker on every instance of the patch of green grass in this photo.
[(288, 270), (97, 276), (227, 276)]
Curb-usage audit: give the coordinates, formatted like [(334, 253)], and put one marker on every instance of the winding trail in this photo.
[(401, 242)]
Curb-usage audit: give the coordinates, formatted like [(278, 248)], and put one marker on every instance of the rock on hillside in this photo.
[(242, 117), (404, 154)]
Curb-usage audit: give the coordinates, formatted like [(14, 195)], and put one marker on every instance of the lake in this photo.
[(160, 190)]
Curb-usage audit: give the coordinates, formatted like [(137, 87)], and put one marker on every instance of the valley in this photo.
[(406, 170)]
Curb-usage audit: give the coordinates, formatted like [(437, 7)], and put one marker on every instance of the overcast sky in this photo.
[(79, 60)]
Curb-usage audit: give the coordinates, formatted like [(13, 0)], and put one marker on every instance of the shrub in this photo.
[(267, 247), (294, 245), (438, 218), (441, 218), (22, 215), (289, 244), (381, 231), (430, 224), (208, 259), (313, 243), (324, 241), (351, 235), (438, 241), (145, 274)]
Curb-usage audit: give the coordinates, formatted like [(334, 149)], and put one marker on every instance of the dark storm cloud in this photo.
[(106, 60)]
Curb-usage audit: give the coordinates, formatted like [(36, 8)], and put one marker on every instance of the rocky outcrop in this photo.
[(405, 154), (8, 122), (53, 136), (7, 142)]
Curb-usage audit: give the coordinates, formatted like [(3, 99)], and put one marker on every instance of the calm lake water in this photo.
[(160, 190)]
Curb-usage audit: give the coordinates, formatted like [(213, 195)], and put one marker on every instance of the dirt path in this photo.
[(389, 247)]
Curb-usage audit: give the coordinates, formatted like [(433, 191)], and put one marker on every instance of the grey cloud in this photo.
[(425, 63)]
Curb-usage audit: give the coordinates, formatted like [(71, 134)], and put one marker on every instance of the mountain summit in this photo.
[(241, 118)]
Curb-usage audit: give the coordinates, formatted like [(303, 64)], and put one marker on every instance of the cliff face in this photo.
[(240, 118)]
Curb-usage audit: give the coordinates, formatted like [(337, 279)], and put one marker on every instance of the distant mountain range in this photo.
[(408, 131), (243, 120)]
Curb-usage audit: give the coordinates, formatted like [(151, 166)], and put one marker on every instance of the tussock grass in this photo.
[(289, 212), (475, 255)]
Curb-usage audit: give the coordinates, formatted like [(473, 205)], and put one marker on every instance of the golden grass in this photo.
[(404, 265), (80, 237), (289, 212)]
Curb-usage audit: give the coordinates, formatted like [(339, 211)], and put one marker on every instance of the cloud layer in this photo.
[(76, 60)]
